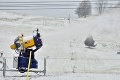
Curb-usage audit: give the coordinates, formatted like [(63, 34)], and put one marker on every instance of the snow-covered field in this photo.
[(63, 44)]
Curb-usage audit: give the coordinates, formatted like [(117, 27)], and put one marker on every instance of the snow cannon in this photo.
[(26, 51), (35, 41)]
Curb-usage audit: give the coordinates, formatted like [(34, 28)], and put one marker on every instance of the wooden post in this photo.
[(74, 69), (44, 66), (4, 67)]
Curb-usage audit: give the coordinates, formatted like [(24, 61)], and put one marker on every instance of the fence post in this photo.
[(44, 66), (4, 67)]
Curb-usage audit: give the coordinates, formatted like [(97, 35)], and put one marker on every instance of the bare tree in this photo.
[(84, 9), (101, 6)]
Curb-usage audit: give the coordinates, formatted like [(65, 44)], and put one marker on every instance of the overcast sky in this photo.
[(44, 12)]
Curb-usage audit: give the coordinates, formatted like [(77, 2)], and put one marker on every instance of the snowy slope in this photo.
[(61, 40)]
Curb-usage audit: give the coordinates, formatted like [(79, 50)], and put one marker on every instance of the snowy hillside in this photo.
[(63, 44)]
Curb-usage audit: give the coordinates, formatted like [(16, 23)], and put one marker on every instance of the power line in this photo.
[(37, 5), (49, 8), (50, 1), (44, 5), (48, 4)]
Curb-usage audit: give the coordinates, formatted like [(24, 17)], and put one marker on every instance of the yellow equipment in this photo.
[(26, 52), (25, 44), (20, 44)]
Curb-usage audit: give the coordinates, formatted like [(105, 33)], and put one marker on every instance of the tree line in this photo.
[(85, 8)]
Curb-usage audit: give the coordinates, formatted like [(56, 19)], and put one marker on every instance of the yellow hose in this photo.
[(28, 65)]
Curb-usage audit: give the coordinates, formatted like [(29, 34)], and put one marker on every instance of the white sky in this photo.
[(53, 13), (48, 12)]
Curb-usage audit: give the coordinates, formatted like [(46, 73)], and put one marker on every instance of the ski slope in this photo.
[(63, 45)]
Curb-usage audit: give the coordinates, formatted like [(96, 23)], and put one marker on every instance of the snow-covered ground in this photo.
[(63, 44)]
